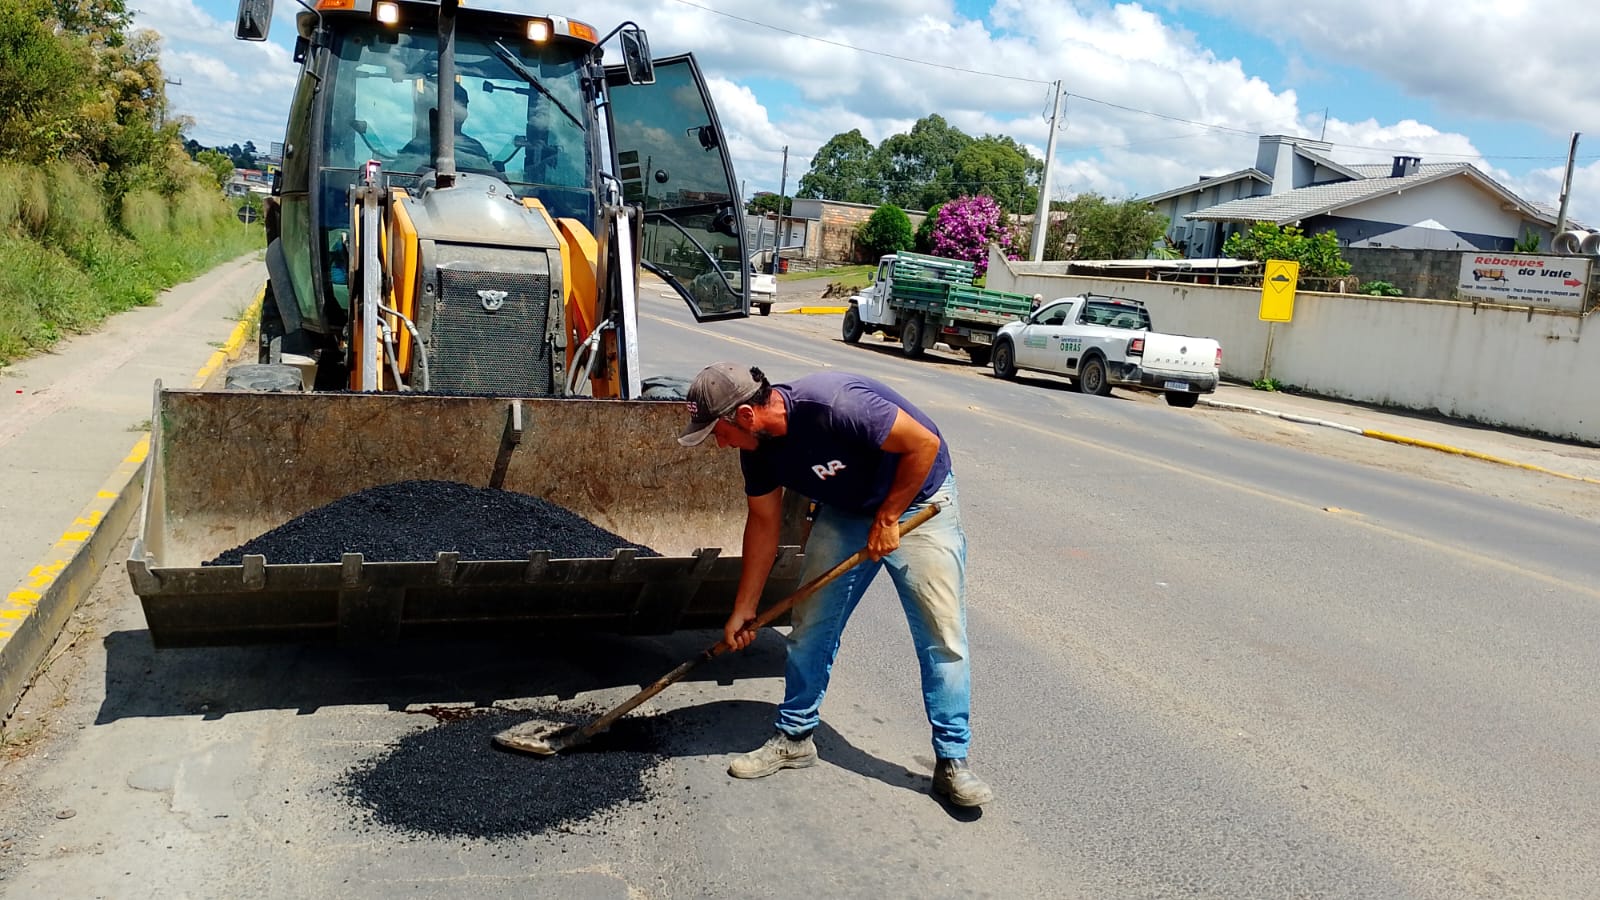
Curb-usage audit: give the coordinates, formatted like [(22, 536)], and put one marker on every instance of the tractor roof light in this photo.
[(538, 30), (387, 13)]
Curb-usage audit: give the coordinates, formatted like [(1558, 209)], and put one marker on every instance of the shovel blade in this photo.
[(538, 738)]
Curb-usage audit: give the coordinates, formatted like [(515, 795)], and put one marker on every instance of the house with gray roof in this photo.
[(1406, 204)]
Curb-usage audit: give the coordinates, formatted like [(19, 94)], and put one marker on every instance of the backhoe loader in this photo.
[(454, 245)]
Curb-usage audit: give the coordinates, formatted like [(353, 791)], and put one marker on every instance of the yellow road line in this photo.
[(33, 613), (1472, 454)]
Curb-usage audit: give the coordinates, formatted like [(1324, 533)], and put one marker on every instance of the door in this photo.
[(876, 309), (1040, 344), (672, 160)]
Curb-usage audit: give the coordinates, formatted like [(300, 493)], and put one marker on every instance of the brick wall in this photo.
[(1417, 273)]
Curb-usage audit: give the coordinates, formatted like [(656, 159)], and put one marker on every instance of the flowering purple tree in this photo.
[(967, 226)]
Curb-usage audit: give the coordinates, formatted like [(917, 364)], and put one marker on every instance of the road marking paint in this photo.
[(52, 589), (813, 311), (1397, 439)]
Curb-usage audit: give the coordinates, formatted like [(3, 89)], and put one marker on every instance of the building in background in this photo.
[(1405, 204)]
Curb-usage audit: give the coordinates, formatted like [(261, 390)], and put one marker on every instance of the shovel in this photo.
[(545, 739)]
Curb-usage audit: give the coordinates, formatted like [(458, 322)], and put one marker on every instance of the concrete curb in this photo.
[(1398, 439), (813, 311), (34, 612)]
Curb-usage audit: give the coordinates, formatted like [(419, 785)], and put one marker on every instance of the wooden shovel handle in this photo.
[(811, 587)]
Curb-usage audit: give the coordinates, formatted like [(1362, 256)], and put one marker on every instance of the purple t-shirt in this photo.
[(833, 452)]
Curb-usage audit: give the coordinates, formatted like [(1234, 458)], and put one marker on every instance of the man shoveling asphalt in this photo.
[(869, 458)]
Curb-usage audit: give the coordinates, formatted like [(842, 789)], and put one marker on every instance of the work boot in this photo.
[(779, 752), (953, 779)]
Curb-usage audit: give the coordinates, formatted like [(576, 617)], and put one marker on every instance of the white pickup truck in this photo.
[(1097, 342)]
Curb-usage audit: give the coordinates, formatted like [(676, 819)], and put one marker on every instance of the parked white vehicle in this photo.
[(763, 291), (1097, 342)]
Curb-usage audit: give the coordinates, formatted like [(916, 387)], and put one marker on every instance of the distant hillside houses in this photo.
[(1406, 204), (248, 181)]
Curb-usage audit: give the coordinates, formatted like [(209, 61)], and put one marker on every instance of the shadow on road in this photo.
[(142, 682)]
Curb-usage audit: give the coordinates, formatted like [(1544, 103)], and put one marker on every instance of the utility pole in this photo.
[(1566, 189), (783, 189), (161, 113), (1041, 223)]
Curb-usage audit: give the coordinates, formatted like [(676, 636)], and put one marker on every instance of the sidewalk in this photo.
[(73, 432), (1571, 461)]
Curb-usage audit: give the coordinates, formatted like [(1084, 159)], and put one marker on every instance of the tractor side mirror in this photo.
[(255, 18), (636, 59)]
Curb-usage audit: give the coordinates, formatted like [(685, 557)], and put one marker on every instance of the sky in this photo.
[(1158, 93)]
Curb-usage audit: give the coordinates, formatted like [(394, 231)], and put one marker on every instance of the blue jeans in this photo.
[(929, 570)]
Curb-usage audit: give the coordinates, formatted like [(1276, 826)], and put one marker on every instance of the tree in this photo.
[(1103, 229), (1318, 255), (46, 80), (842, 170), (1003, 169), (966, 228), (888, 230), (766, 203), (922, 241), (220, 166), (917, 168)]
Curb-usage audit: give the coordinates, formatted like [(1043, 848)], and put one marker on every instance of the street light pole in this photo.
[(777, 228), (1041, 222)]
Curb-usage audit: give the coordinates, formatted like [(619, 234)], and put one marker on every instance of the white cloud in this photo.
[(1121, 54)]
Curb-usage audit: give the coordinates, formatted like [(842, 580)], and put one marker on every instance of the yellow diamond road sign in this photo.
[(1277, 290)]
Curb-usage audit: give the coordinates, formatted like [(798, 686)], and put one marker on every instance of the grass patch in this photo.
[(68, 265), (849, 276)]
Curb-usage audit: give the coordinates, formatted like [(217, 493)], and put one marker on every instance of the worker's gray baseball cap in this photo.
[(716, 392)]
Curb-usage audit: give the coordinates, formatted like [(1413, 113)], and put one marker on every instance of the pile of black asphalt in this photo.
[(414, 521), (450, 780)]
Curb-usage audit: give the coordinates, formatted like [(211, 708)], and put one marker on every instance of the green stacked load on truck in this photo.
[(925, 300)]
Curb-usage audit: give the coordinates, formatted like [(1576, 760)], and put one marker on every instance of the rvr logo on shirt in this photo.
[(830, 468)]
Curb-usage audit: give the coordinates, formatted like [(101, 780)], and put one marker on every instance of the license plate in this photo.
[(1177, 385), (981, 337)]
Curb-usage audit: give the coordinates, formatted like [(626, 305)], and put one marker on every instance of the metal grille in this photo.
[(483, 343)]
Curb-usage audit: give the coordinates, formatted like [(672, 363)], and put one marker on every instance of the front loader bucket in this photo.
[(226, 466)]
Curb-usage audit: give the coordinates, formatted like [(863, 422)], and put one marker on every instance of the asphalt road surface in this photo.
[(1205, 664)]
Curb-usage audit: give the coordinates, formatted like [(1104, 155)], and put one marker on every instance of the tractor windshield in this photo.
[(519, 111)]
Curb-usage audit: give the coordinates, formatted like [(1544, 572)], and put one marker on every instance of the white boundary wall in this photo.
[(1524, 369)]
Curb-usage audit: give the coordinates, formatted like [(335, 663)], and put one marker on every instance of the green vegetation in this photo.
[(888, 230), (1529, 243), (101, 208), (1379, 289), (849, 276), (1318, 255), (924, 167), (1102, 229), (1267, 384)]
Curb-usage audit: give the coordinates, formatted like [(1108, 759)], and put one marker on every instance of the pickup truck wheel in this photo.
[(1092, 377), (766, 309), (980, 355), (1004, 361), (1182, 399), (911, 337), (853, 329)]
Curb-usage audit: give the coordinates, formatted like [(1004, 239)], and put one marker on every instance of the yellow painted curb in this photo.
[(814, 310), (1472, 454), (34, 612)]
